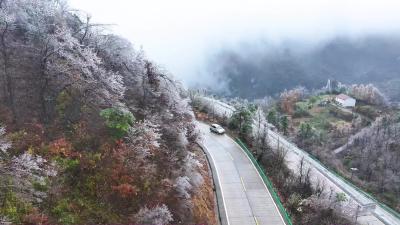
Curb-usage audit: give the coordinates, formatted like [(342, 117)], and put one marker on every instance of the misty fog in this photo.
[(194, 39), (255, 70)]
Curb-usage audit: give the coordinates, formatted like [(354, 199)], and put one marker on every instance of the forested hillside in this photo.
[(258, 70), (361, 143), (375, 152), (91, 131)]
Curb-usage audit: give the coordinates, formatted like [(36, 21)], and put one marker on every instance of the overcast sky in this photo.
[(180, 34)]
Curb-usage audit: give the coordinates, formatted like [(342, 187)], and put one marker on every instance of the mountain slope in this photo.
[(95, 132)]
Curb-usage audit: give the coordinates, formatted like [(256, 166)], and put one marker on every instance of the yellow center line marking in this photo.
[(255, 219), (244, 187), (230, 155)]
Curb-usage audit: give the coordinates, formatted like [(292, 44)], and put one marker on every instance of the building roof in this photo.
[(343, 97)]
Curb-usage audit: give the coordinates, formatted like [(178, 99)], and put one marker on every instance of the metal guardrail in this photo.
[(367, 195), (267, 182)]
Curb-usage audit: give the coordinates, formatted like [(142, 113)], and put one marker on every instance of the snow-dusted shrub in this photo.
[(192, 166), (159, 215), (183, 186), (30, 172), (4, 221), (4, 143)]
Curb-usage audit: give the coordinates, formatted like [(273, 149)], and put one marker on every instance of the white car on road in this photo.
[(217, 129)]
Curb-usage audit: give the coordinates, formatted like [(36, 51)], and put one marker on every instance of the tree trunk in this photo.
[(42, 91), (8, 88)]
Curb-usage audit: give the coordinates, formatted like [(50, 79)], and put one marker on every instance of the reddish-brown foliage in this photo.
[(32, 136), (125, 190), (35, 218), (61, 147), (289, 99)]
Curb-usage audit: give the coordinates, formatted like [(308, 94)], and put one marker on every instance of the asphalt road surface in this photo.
[(246, 199)]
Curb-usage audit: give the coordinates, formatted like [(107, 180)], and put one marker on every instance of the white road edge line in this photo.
[(220, 185), (280, 215)]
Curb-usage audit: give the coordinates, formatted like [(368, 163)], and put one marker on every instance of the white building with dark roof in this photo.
[(345, 100)]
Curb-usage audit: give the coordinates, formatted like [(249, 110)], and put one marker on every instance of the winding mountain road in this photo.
[(245, 197), (370, 211)]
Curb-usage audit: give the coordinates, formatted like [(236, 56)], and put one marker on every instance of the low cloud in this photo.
[(182, 35)]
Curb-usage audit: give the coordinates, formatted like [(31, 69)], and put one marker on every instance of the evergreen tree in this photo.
[(242, 121), (272, 117), (284, 124), (305, 131)]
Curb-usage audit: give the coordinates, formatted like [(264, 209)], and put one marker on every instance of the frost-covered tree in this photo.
[(24, 172), (260, 121), (183, 186), (7, 21), (336, 203), (368, 93), (144, 138), (4, 221), (29, 171), (62, 62), (374, 152), (4, 170), (4, 143), (192, 179), (158, 215)]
